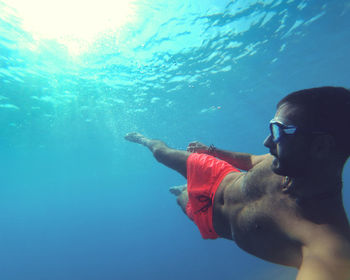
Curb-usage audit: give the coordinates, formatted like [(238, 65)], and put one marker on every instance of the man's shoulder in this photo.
[(261, 159), (325, 238), (328, 254), (261, 182), (263, 171)]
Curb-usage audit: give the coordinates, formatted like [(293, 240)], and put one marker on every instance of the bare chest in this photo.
[(261, 215)]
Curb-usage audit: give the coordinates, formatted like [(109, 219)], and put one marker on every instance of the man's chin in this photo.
[(276, 167), (284, 169)]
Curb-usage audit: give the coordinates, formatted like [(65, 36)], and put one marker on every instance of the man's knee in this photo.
[(174, 159), (182, 200), (160, 153)]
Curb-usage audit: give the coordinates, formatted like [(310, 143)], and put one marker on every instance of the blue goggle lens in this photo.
[(275, 132), (279, 129)]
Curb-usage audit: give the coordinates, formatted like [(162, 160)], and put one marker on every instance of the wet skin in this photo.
[(252, 209), (260, 211)]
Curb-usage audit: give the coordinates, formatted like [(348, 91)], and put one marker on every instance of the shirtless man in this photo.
[(287, 208)]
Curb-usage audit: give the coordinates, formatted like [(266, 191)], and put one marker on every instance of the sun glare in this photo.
[(74, 23)]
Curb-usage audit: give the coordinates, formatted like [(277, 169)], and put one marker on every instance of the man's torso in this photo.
[(255, 211)]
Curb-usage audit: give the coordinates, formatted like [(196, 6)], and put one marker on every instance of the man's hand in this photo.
[(197, 147)]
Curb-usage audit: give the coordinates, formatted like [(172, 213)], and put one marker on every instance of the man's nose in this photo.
[(268, 142)]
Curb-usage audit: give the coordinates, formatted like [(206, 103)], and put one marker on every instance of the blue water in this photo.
[(79, 202)]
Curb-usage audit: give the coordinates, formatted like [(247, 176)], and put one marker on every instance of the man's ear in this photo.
[(323, 146)]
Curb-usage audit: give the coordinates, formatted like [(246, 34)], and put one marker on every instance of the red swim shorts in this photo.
[(204, 175)]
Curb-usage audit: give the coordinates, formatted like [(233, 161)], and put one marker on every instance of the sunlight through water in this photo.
[(75, 24)]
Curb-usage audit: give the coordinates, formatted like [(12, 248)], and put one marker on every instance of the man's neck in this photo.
[(319, 202), (317, 188)]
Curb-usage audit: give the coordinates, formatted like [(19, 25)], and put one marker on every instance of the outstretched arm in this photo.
[(242, 161), (174, 159)]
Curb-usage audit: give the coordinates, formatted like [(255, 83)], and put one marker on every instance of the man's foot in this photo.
[(136, 138), (177, 190)]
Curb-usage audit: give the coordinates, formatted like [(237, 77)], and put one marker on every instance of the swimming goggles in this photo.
[(278, 129)]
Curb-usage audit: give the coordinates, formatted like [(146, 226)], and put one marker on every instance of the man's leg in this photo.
[(174, 159)]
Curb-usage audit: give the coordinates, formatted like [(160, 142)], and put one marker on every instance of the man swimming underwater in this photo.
[(287, 208)]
